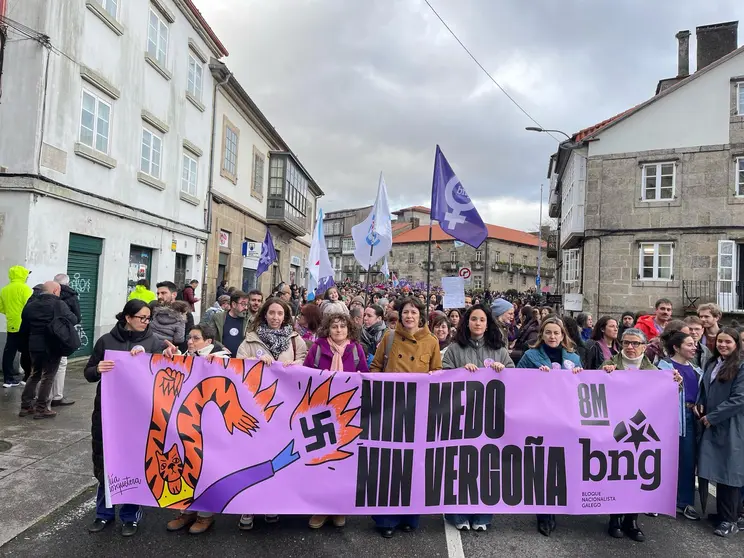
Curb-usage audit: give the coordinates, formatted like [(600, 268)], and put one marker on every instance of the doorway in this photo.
[(140, 266), (83, 261), (180, 276)]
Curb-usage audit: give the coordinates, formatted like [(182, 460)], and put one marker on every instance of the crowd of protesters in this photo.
[(390, 329)]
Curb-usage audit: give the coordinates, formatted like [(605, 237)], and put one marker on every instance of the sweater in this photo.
[(475, 352)]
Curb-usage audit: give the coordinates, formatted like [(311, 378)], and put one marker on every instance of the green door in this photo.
[(82, 266)]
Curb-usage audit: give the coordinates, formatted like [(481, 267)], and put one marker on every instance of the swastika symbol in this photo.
[(319, 431)]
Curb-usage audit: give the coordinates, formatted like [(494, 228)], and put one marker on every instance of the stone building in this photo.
[(651, 201), (257, 182), (506, 260)]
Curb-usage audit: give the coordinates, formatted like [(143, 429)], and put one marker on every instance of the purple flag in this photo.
[(452, 207), (268, 255)]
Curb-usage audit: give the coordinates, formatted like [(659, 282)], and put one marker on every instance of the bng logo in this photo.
[(633, 459)]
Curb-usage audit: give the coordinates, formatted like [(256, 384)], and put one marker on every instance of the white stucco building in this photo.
[(106, 114)]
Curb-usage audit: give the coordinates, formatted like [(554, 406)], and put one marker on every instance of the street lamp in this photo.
[(538, 129)]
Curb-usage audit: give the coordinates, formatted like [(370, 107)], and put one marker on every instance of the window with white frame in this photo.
[(230, 139), (740, 98), (157, 37), (511, 260), (739, 172), (257, 179), (479, 255), (95, 122), (348, 245), (189, 174), (334, 243), (524, 260), (196, 71), (111, 6), (571, 266), (453, 256), (655, 261), (152, 153), (410, 257), (658, 181), (497, 256), (477, 281)]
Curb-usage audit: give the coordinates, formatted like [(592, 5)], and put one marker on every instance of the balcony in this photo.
[(729, 295), (350, 268), (478, 265), (498, 266), (554, 205), (449, 266), (552, 251)]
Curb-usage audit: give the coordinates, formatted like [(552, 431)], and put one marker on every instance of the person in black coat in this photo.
[(42, 348), (131, 333)]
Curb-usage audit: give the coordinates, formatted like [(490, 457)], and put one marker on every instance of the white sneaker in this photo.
[(463, 526), (246, 522), (13, 383), (480, 527)]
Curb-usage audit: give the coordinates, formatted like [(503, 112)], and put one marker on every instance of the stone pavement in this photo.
[(43, 463)]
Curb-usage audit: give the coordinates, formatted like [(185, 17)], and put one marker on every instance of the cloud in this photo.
[(359, 87)]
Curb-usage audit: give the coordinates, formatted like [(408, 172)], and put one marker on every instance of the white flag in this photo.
[(386, 269), (373, 237), (319, 264)]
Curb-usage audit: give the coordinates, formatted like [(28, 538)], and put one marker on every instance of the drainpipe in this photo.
[(208, 220)]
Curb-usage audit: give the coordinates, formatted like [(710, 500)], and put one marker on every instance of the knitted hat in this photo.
[(500, 306), (357, 299)]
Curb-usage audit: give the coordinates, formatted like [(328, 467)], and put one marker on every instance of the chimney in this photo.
[(683, 56), (716, 41)]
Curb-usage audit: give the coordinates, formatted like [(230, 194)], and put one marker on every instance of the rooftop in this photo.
[(207, 27), (417, 208), (495, 232)]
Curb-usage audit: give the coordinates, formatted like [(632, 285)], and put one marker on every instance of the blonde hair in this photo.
[(566, 342)]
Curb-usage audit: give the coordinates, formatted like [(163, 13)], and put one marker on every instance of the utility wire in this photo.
[(504, 91)]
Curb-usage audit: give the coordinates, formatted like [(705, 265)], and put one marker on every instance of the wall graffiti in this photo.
[(80, 284), (82, 335)]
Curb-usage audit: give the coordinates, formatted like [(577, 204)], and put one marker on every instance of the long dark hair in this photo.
[(572, 329), (130, 309), (492, 336), (730, 367), (599, 327), (261, 315)]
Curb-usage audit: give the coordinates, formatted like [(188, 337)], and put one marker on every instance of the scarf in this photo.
[(606, 351), (337, 364), (632, 363), (277, 340)]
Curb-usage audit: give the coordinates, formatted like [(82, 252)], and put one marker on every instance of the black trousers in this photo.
[(12, 346), (728, 502), (44, 368), (627, 517)]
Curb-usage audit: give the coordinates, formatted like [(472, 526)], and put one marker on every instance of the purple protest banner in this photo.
[(242, 437)]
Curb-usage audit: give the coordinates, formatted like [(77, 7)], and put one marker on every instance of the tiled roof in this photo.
[(398, 226), (495, 232), (207, 28), (581, 134), (417, 208)]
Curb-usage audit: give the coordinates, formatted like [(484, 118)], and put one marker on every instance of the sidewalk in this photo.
[(48, 462)]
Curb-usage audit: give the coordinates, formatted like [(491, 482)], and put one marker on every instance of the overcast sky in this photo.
[(356, 87)]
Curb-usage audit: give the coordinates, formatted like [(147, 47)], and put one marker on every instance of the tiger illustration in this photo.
[(172, 479)]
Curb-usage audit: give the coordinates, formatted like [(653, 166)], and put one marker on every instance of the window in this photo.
[(739, 185), (333, 228), (524, 260), (188, 175), (477, 281), (524, 280), (151, 159), (157, 38), (230, 139), (110, 6), (453, 256), (479, 255), (655, 261), (740, 99), (276, 176), (194, 84), (511, 260), (497, 256), (348, 245), (410, 257), (571, 267), (258, 172), (511, 279), (658, 181), (95, 119), (334, 242)]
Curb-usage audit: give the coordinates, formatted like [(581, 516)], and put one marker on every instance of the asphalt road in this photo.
[(63, 533)]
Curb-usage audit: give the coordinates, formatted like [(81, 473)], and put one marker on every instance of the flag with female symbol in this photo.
[(373, 237), (268, 255), (452, 207)]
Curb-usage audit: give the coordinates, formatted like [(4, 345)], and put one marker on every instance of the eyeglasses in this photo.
[(143, 319), (195, 338), (242, 304), (634, 344)]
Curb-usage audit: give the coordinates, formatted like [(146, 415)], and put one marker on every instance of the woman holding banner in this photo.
[(409, 348), (271, 339), (130, 333), (337, 349), (553, 350), (477, 344)]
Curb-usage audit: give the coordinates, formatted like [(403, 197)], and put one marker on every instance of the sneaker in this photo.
[(246, 522), (462, 526), (726, 528), (740, 523), (201, 525), (45, 414), (652, 514), (479, 527), (64, 402), (691, 513), (12, 383), (129, 529), (99, 525), (271, 518)]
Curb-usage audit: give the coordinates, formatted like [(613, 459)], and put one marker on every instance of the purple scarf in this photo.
[(606, 352)]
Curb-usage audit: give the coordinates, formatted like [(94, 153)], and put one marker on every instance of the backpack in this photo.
[(389, 338), (179, 294), (63, 335), (356, 357)]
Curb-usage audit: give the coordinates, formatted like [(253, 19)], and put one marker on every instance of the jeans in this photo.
[(128, 513), (58, 387), (687, 459), (44, 369), (12, 346), (472, 518), (393, 521), (728, 502)]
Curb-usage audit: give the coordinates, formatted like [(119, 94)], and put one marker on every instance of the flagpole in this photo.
[(369, 266), (428, 274)]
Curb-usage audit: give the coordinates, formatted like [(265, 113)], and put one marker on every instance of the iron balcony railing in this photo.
[(729, 295)]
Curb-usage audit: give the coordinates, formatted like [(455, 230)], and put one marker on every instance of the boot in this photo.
[(183, 520), (615, 528), (631, 529)]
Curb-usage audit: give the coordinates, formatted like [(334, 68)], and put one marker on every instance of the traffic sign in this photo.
[(464, 273), (537, 281)]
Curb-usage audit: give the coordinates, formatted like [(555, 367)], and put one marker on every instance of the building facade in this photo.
[(507, 259), (105, 109), (651, 202), (257, 182)]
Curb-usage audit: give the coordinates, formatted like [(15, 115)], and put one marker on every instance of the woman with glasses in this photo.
[(130, 333)]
